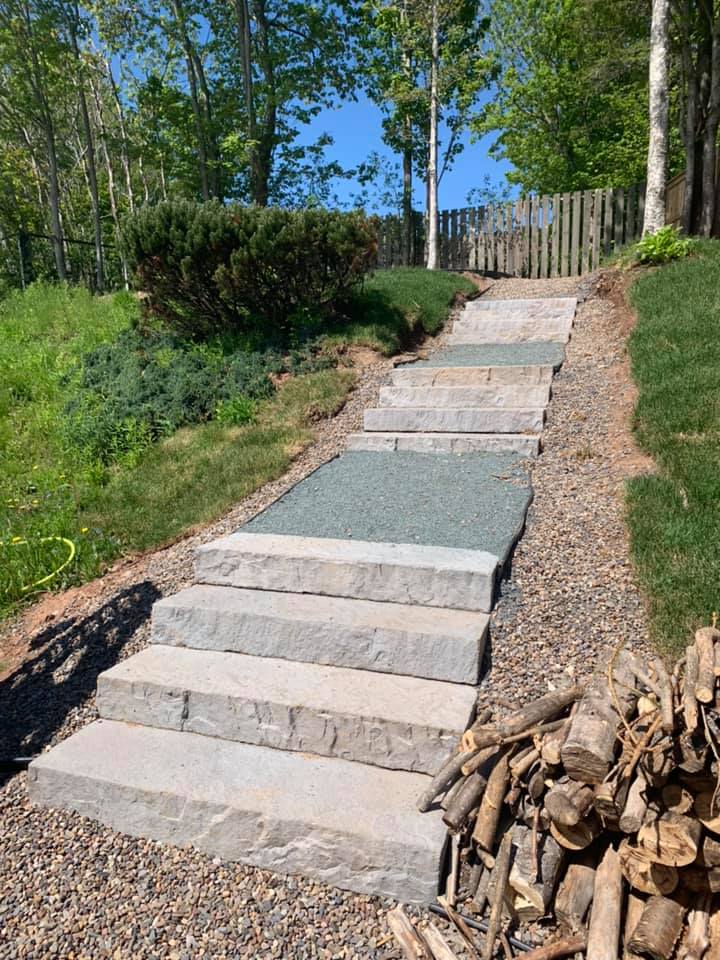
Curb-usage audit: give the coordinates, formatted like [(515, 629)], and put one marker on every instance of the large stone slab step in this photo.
[(538, 307), (445, 420), (395, 572), (489, 329), (526, 444), (402, 723), (414, 375), (396, 638), (341, 823), (461, 397)]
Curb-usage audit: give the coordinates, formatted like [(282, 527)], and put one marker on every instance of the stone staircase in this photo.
[(295, 700)]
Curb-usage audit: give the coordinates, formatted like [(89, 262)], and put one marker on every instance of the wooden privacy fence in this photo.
[(565, 235)]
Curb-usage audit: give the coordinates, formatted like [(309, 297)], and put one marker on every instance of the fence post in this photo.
[(463, 252), (630, 215)]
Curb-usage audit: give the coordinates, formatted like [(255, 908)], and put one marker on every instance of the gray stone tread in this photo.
[(347, 824), (404, 723), (460, 397), (455, 420), (413, 374), (526, 444), (397, 638)]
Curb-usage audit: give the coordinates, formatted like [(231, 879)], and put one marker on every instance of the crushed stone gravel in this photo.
[(71, 888), (472, 502)]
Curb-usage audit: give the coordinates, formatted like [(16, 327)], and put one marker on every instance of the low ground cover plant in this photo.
[(673, 513), (665, 245)]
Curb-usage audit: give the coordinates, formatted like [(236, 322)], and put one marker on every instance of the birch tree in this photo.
[(658, 98)]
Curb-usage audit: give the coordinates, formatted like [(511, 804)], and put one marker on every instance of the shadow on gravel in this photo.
[(37, 699)]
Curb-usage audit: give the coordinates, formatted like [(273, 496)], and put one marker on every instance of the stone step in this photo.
[(385, 637), (395, 572), (458, 398), (346, 824), (538, 307), (401, 723), (414, 375), (478, 420), (526, 444), (482, 329)]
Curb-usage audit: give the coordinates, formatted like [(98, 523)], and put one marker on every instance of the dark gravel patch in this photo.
[(496, 354), (470, 501)]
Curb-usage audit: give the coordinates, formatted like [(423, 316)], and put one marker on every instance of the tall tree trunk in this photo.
[(194, 99), (102, 137), (407, 205), (658, 147), (90, 162), (242, 15), (709, 155), (124, 151), (432, 183), (268, 126), (211, 143)]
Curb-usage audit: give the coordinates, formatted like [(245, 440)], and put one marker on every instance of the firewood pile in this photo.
[(596, 807)]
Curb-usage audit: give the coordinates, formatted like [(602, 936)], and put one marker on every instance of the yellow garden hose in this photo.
[(18, 542)]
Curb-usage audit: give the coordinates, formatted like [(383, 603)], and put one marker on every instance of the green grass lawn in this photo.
[(50, 488), (674, 515)]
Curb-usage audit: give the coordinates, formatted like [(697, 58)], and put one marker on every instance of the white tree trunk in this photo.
[(432, 206), (658, 148)]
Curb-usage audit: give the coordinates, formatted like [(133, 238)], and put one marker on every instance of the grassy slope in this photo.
[(674, 516), (191, 478)]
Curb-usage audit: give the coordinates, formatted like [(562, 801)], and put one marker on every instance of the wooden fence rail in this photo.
[(562, 235)]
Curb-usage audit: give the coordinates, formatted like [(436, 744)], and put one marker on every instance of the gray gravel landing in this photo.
[(471, 501), (496, 354)]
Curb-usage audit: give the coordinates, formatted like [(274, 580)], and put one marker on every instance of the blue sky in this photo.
[(357, 131)]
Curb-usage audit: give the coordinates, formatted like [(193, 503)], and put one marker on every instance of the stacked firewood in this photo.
[(598, 806)]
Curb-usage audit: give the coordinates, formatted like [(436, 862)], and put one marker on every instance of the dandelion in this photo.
[(36, 467), (16, 540), (83, 529)]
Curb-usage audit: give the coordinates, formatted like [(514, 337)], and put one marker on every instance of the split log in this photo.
[(705, 639), (676, 799), (714, 934), (696, 940), (694, 752), (690, 707), (633, 911), (536, 783), (645, 875), (438, 944), (672, 840), (568, 801), (411, 941), (575, 894), (466, 799), (610, 796), (657, 765), (535, 870), (706, 813), (526, 718), (709, 854), (589, 748), (579, 836), (502, 872), (551, 744), (666, 696), (658, 929), (604, 929), (636, 805), (489, 814)]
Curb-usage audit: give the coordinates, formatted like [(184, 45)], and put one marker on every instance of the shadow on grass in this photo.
[(39, 697)]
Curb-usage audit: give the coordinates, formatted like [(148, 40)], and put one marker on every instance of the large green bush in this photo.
[(208, 269)]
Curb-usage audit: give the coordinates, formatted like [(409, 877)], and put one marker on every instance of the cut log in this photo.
[(551, 745), (568, 801), (491, 805), (694, 753), (604, 928), (575, 894), (658, 929), (452, 793), (481, 894), (502, 872), (610, 797), (666, 696), (466, 799), (521, 763), (566, 947), (706, 813), (645, 875), (589, 748), (438, 944), (634, 907), (578, 837), (705, 639), (714, 933), (448, 774), (657, 765), (635, 807), (534, 872), (709, 855), (696, 939), (676, 799), (410, 940), (481, 759), (526, 718), (672, 840), (690, 708)]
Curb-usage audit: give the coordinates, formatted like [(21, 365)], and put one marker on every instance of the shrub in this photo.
[(208, 269), (663, 246)]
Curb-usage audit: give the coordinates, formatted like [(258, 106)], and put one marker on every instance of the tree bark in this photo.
[(658, 93), (432, 181), (194, 99), (709, 152), (604, 929), (124, 151)]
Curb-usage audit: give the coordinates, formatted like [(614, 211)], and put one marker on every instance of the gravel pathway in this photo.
[(71, 888)]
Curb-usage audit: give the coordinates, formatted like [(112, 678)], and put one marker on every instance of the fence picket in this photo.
[(555, 228), (575, 246), (597, 228), (585, 242), (607, 230), (544, 237), (630, 215), (619, 219), (566, 215)]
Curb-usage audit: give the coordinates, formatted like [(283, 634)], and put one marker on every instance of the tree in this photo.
[(658, 141)]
